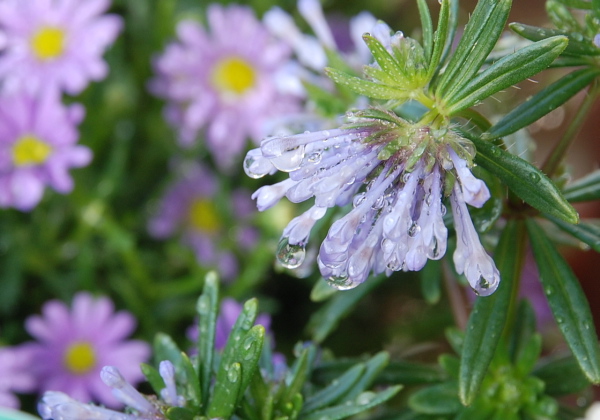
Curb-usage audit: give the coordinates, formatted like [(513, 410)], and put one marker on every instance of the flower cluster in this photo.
[(73, 345), (189, 207), (49, 47), (224, 80), (396, 176)]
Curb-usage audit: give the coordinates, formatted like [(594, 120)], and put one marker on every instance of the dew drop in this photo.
[(250, 166), (577, 36), (351, 180), (290, 160), (378, 203), (290, 256), (341, 282), (495, 151), (549, 290), (393, 264), (535, 178), (485, 287), (233, 374), (443, 210), (315, 157), (365, 398), (414, 230), (358, 199)]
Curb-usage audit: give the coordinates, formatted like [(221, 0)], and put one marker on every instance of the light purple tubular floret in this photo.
[(396, 220)]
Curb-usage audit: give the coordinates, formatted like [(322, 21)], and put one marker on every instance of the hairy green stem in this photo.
[(558, 154)]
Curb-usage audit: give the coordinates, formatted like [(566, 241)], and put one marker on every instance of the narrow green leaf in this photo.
[(166, 349), (576, 47), (562, 376), (523, 329), (431, 281), (440, 38), (323, 321), (373, 367), (386, 61), (506, 72), (588, 233), (525, 180), (226, 392), (568, 303), (335, 390), (153, 377), (529, 355), (248, 352), (543, 102), (363, 402), (180, 413), (364, 87), (561, 17), (295, 378), (481, 34), (426, 27), (321, 291), (191, 383), (488, 318), (578, 4), (436, 400), (584, 189), (242, 326), (207, 308)]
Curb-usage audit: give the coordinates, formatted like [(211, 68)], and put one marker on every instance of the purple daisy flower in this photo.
[(14, 375), (74, 345), (395, 175), (188, 207), (38, 137), (57, 43), (224, 79)]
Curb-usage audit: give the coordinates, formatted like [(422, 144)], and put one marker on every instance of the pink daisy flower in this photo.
[(224, 80), (56, 43), (38, 137), (73, 346)]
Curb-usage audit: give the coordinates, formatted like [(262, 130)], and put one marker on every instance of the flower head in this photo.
[(189, 206), (38, 139), (14, 375), (74, 345), (56, 43), (395, 175), (224, 80)]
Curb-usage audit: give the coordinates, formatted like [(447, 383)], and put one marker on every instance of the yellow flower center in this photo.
[(29, 150), (80, 357), (48, 42), (233, 75), (203, 216)]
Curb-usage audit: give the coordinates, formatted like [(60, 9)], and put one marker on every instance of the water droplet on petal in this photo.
[(290, 256), (414, 230), (315, 157), (290, 160), (358, 199), (341, 282)]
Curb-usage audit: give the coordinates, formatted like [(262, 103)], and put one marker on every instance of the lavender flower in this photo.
[(188, 206), (56, 43), (14, 375), (38, 139), (395, 175), (224, 80), (73, 346), (58, 405)]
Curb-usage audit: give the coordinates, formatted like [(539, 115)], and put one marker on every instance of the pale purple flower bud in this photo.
[(169, 393), (474, 190), (312, 12), (267, 196), (597, 40), (59, 406), (124, 391), (470, 258)]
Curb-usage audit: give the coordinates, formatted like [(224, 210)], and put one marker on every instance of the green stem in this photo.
[(558, 154)]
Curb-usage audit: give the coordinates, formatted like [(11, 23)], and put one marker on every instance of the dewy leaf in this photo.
[(562, 376), (506, 72), (439, 39), (489, 315), (225, 395), (248, 353), (567, 302), (386, 61), (335, 390), (427, 27), (588, 233), (364, 87), (207, 308), (524, 179), (435, 400), (363, 402), (584, 189), (548, 99), (480, 36), (576, 47)]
